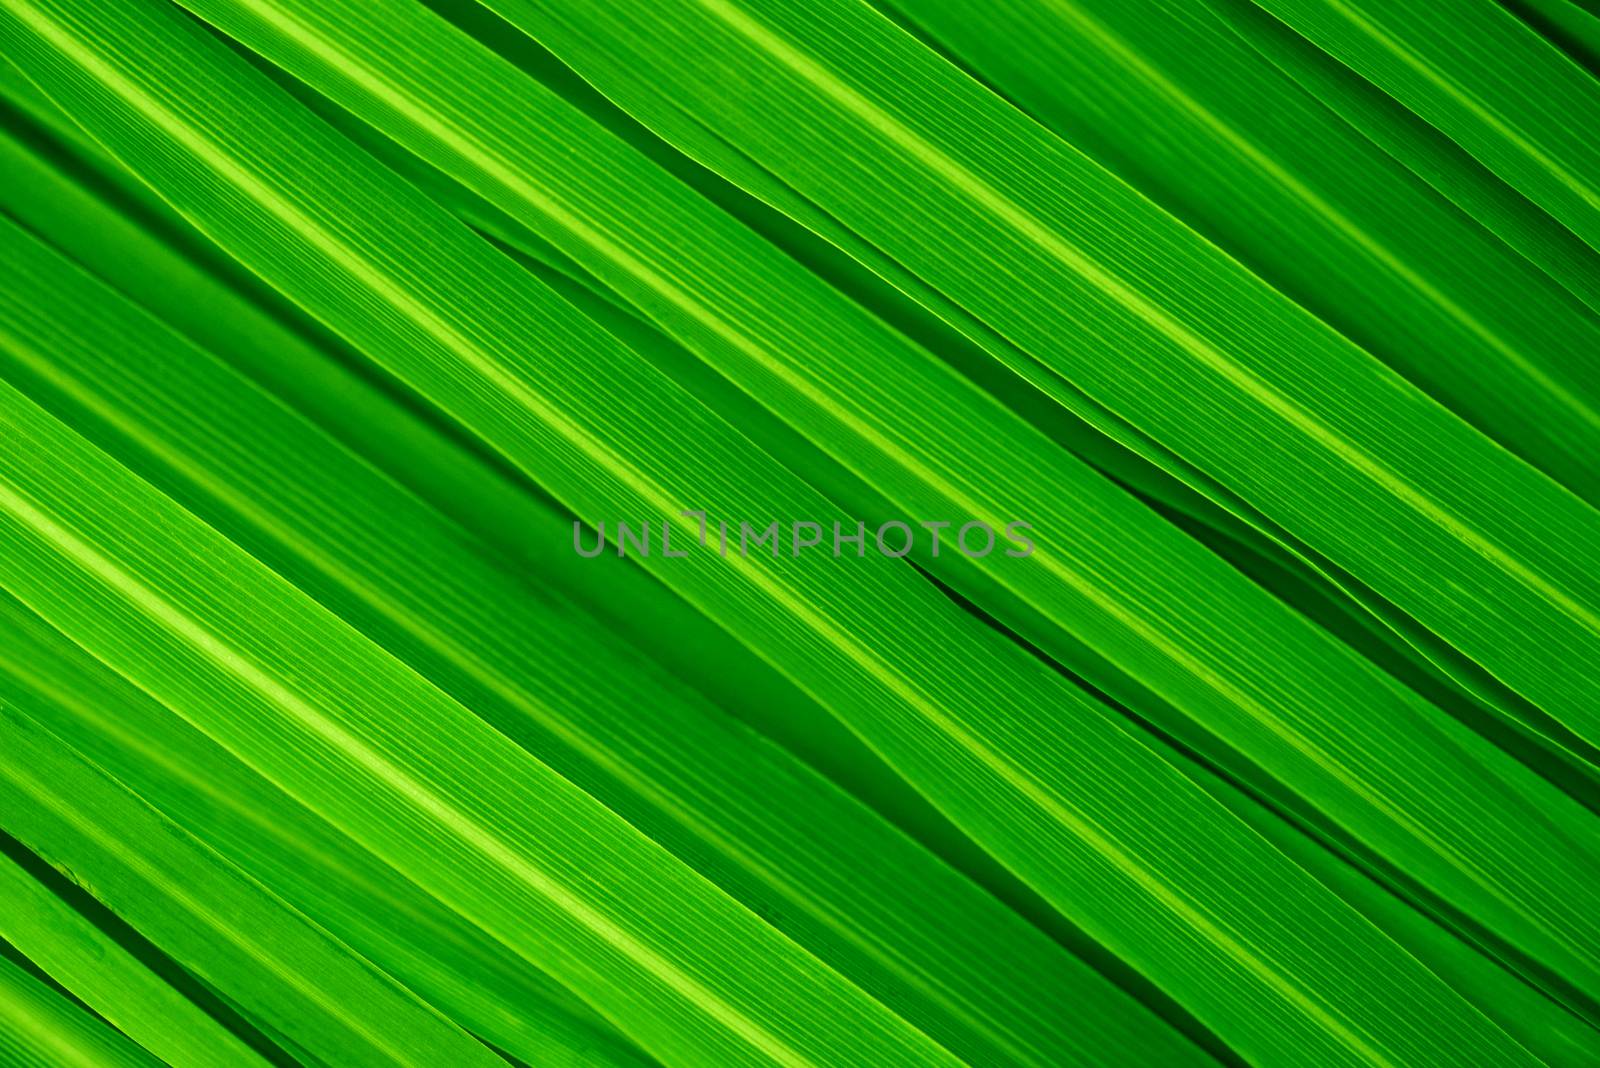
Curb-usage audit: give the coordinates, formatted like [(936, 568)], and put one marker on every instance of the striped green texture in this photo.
[(1261, 336)]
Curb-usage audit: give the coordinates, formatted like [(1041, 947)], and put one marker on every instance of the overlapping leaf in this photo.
[(1287, 728)]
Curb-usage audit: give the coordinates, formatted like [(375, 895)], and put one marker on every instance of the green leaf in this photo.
[(109, 979), (829, 874), (208, 916), (1234, 660), (1485, 80), (1067, 827), (326, 728), (294, 854), (1275, 406), (1229, 145), (1423, 149), (41, 1029)]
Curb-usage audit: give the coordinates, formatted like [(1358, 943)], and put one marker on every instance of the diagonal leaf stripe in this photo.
[(111, 980), (745, 812), (327, 328), (42, 1029), (1471, 94), (499, 866), (1241, 158), (319, 993), (1300, 753), (1351, 446)]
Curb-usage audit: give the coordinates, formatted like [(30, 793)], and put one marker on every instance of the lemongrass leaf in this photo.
[(1485, 80), (930, 443), (471, 634), (1273, 404), (41, 1029), (1242, 156), (208, 916), (106, 977), (1424, 150), (295, 855), (1137, 776)]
